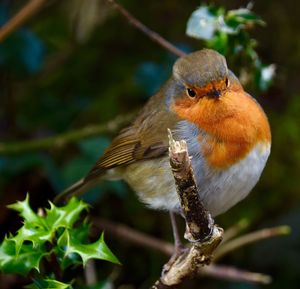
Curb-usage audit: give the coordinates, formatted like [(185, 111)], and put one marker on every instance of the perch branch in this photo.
[(23, 15), (131, 235), (143, 28), (57, 141), (234, 274), (214, 271), (199, 222), (201, 231)]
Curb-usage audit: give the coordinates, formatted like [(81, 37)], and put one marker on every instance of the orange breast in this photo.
[(235, 123)]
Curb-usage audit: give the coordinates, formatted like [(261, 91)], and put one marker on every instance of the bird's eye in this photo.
[(227, 82), (191, 92)]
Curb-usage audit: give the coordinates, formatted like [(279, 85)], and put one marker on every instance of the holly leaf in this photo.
[(96, 250), (265, 75), (207, 21), (64, 216), (22, 263), (80, 233), (23, 252), (202, 24), (34, 230), (36, 235), (39, 229), (243, 16), (228, 33), (48, 284), (26, 212)]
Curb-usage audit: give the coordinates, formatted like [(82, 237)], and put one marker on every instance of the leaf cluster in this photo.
[(228, 33), (53, 235)]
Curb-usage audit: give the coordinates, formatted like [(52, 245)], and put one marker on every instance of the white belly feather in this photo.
[(218, 189)]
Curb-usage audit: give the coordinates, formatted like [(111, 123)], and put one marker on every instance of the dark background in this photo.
[(56, 74)]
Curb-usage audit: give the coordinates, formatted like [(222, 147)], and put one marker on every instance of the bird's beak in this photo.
[(214, 93)]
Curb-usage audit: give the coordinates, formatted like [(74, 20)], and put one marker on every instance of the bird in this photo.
[(227, 134)]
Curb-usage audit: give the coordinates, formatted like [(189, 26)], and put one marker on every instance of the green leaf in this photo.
[(105, 284), (38, 229), (265, 75), (228, 33), (48, 284), (207, 21), (34, 234), (202, 24), (64, 216), (243, 16), (22, 263), (23, 252), (26, 212), (80, 233), (97, 250), (34, 228)]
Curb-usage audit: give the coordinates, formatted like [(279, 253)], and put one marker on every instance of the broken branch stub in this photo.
[(201, 231), (199, 222)]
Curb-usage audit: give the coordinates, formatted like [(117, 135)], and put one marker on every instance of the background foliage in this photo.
[(79, 62)]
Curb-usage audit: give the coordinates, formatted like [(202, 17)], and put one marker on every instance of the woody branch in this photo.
[(201, 231), (123, 232), (29, 9), (154, 36)]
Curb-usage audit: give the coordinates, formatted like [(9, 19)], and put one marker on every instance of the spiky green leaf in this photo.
[(48, 284), (208, 21), (26, 212), (96, 250), (228, 33), (28, 257), (80, 233), (242, 16), (36, 235), (23, 251), (64, 216)]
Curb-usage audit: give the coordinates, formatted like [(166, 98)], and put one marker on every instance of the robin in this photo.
[(226, 130)]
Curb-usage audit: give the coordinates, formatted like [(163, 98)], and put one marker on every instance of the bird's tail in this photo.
[(76, 189)]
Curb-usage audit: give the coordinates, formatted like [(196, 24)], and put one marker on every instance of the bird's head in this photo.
[(204, 86), (205, 92), (203, 73)]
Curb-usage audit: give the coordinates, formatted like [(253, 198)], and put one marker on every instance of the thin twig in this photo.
[(23, 15), (250, 238), (235, 230), (234, 274), (150, 33), (58, 141), (128, 234), (215, 271), (90, 273)]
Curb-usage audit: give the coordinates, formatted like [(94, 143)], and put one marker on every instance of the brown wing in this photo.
[(123, 151), (145, 138)]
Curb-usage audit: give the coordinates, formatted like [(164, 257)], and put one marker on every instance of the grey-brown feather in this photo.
[(146, 138), (142, 140)]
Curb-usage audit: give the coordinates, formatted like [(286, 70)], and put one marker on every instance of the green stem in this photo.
[(61, 140)]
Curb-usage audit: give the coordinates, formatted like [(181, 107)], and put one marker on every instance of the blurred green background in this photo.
[(78, 63)]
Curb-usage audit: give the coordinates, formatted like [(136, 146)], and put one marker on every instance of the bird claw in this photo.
[(179, 252)]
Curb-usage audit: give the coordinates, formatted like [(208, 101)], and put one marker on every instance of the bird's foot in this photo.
[(179, 252)]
